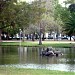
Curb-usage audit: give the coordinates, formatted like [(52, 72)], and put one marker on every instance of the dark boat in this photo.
[(50, 52)]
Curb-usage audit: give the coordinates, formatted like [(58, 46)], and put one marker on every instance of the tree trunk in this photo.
[(43, 38), (40, 39), (33, 37), (70, 37), (0, 35)]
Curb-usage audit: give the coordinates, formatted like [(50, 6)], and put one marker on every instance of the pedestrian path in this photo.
[(38, 41)]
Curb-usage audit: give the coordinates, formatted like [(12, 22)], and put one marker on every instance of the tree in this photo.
[(67, 16), (28, 14), (70, 23), (7, 14), (39, 16)]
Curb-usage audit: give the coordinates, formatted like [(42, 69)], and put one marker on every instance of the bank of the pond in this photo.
[(20, 71), (36, 44)]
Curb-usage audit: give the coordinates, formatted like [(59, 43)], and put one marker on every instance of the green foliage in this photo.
[(70, 25), (70, 1), (61, 12), (67, 16), (72, 8), (15, 16), (28, 14), (7, 15)]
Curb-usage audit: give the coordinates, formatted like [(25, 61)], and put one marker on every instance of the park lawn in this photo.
[(21, 71), (35, 44)]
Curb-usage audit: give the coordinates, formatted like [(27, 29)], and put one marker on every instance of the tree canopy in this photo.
[(18, 15), (67, 16)]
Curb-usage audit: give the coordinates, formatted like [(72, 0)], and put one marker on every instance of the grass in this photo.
[(35, 43), (20, 71)]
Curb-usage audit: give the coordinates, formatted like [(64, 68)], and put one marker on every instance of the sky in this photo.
[(60, 1), (27, 0)]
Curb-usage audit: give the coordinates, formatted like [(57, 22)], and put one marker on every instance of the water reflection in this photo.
[(29, 57), (8, 55)]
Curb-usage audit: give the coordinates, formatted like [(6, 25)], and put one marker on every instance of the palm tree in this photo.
[(69, 26)]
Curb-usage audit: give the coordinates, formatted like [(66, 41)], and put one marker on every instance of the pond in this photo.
[(29, 57)]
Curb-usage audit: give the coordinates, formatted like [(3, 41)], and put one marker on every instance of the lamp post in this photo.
[(20, 35)]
